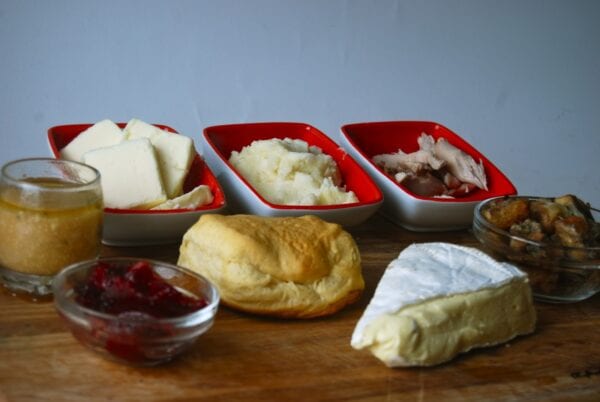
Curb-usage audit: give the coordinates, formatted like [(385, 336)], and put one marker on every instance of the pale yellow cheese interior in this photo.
[(438, 329)]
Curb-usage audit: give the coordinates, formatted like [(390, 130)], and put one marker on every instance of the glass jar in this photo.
[(50, 217)]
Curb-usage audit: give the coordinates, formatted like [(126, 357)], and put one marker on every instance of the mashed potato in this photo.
[(291, 172)]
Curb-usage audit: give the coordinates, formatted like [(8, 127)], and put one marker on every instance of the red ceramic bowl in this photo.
[(127, 227), (225, 139), (414, 212)]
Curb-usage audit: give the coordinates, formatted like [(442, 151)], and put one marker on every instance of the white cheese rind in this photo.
[(175, 153), (102, 134), (433, 288), (129, 174)]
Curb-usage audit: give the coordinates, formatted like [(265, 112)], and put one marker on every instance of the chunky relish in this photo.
[(136, 287)]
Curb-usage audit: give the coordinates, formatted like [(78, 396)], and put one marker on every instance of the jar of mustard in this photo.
[(50, 217)]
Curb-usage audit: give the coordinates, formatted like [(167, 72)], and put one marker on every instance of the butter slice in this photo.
[(102, 134), (200, 195), (174, 151), (129, 174), (437, 300)]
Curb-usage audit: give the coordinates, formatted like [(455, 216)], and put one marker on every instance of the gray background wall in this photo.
[(518, 79)]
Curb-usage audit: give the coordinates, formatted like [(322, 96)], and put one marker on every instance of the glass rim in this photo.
[(77, 186)]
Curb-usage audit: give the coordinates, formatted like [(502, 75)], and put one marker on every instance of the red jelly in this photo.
[(136, 287)]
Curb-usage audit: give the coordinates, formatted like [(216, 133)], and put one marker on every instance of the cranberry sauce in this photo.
[(118, 289)]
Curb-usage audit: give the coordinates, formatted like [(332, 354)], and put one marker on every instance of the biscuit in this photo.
[(289, 267)]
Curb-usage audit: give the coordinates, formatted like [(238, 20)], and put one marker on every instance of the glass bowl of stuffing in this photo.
[(556, 240)]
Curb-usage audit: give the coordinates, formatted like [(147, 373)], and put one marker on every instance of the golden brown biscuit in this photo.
[(286, 267)]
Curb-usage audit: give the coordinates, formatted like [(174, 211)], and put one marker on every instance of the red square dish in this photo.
[(414, 212), (224, 139), (126, 227)]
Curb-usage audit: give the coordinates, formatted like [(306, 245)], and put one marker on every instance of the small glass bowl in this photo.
[(556, 273), (135, 338)]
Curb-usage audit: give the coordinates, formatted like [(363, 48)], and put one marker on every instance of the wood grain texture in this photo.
[(244, 357)]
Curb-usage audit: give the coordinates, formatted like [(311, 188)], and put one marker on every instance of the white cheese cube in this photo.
[(129, 174), (102, 134), (200, 195), (136, 128), (175, 153)]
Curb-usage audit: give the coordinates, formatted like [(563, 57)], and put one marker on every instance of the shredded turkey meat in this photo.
[(437, 169)]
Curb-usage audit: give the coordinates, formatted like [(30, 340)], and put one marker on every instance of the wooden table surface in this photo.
[(245, 357)]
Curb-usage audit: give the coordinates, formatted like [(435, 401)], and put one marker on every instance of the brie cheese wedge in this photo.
[(437, 300)]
